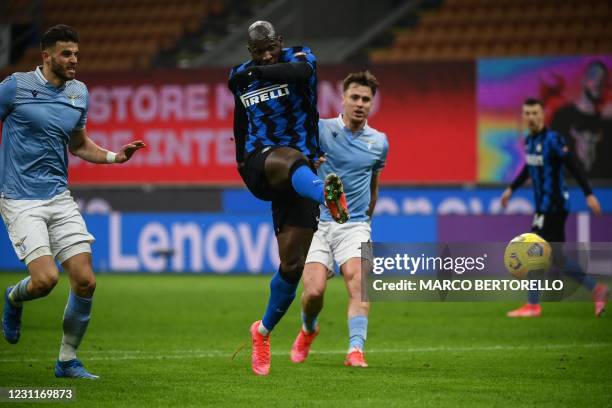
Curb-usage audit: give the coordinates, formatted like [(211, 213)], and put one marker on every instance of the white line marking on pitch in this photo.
[(98, 355)]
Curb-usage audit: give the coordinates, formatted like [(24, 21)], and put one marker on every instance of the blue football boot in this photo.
[(73, 369), (11, 319)]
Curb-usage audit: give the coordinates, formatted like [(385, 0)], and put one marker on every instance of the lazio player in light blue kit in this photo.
[(357, 154), (44, 113)]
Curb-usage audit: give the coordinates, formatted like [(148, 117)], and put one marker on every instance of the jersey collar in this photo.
[(43, 81), (39, 75), (343, 126), (540, 133)]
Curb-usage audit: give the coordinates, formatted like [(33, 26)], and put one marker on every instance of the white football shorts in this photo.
[(338, 243), (46, 227)]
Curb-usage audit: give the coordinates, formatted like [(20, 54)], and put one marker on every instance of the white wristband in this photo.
[(110, 157)]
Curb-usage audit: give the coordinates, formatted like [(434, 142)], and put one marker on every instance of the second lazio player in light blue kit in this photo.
[(357, 153)]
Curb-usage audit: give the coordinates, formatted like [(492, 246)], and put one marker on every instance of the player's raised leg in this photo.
[(293, 244), (315, 282), (78, 310), (287, 168), (357, 313)]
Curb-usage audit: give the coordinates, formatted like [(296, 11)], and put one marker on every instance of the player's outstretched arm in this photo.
[(283, 72), (291, 72), (82, 146)]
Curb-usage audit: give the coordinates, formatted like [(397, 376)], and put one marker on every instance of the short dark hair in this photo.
[(261, 30), (60, 32), (533, 102), (364, 78)]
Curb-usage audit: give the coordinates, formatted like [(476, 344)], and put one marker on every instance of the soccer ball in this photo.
[(527, 253)]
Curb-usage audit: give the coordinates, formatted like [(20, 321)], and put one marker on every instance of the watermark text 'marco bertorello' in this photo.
[(478, 272)]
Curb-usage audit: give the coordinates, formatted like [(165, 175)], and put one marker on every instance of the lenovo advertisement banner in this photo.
[(201, 243), (222, 244)]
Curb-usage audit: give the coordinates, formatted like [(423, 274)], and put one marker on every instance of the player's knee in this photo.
[(85, 286), (88, 288), (291, 272), (293, 268), (279, 164), (43, 283)]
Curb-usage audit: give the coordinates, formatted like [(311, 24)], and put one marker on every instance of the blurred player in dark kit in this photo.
[(546, 155)]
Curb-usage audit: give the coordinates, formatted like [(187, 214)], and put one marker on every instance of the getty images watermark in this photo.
[(479, 272)]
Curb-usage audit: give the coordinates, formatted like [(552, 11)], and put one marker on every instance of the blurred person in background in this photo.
[(546, 155), (587, 124)]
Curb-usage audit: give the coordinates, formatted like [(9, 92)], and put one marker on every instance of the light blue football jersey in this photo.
[(38, 119), (354, 156)]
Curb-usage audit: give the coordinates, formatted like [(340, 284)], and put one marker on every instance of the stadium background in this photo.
[(452, 72)]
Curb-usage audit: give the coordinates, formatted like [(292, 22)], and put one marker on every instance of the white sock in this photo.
[(262, 329), (76, 320), (67, 350)]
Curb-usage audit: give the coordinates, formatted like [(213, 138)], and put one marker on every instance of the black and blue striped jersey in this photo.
[(544, 159), (277, 113), (546, 155)]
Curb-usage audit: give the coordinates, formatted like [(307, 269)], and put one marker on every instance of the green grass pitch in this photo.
[(168, 340)]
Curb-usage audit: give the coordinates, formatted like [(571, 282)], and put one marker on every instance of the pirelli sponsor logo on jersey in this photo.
[(534, 160), (264, 94)]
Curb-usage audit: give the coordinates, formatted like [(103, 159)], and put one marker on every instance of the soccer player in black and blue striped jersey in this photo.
[(277, 146), (546, 155)]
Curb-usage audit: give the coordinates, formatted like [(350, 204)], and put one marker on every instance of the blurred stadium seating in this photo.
[(121, 34), (467, 29), (136, 34)]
